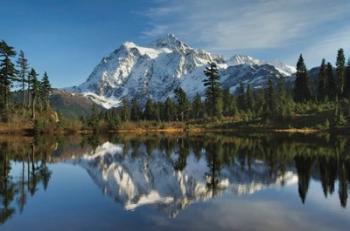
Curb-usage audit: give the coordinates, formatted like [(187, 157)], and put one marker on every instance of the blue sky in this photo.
[(67, 38)]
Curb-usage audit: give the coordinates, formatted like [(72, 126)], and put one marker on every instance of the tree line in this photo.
[(277, 101), (34, 92)]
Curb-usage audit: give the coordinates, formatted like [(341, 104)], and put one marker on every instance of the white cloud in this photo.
[(223, 25)]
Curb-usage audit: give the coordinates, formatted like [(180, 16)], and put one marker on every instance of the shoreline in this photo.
[(173, 130)]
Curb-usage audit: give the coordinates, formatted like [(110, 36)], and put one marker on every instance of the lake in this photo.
[(175, 182)]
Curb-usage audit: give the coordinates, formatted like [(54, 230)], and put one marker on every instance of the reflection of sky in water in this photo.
[(73, 201)]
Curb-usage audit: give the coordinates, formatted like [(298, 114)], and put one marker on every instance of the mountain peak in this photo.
[(155, 70), (170, 41), (239, 59)]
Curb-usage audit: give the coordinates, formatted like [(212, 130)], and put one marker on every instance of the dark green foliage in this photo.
[(93, 120), (229, 103), (23, 67), (213, 90), (135, 111), (340, 69), (169, 110), (35, 90), (284, 101), (338, 115), (125, 110), (197, 108), (331, 83), (182, 104), (347, 81), (7, 76), (249, 99), (113, 119), (45, 89), (322, 84), (149, 112), (241, 101), (301, 85), (270, 100)]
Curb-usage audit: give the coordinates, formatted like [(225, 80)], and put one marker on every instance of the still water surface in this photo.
[(202, 182)]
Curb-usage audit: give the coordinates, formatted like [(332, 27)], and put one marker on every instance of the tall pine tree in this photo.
[(241, 100), (182, 103), (270, 100), (213, 90), (23, 67), (322, 76), (229, 103), (249, 98), (169, 110), (301, 85), (135, 111), (347, 81), (45, 90), (35, 90), (197, 107), (7, 76), (340, 69), (331, 82), (149, 111)]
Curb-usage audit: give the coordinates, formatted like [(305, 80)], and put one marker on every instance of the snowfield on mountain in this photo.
[(155, 70)]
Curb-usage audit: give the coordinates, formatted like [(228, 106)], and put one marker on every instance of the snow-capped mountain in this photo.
[(243, 59), (133, 178), (155, 70)]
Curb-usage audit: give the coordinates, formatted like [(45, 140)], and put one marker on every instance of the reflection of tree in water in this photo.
[(303, 165), (7, 187), (214, 153), (326, 160), (184, 151), (34, 170)]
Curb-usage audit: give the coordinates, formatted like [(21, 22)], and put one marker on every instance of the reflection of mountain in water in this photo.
[(135, 178)]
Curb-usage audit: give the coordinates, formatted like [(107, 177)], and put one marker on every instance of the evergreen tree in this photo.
[(169, 110), (301, 85), (213, 90), (157, 111), (270, 100), (340, 69), (45, 90), (148, 113), (35, 90), (229, 103), (347, 81), (338, 116), (113, 120), (23, 68), (136, 111), (249, 98), (197, 107), (283, 101), (322, 76), (94, 118), (125, 110), (241, 100), (331, 82), (182, 103), (7, 76)]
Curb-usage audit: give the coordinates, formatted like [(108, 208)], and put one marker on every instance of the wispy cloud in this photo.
[(223, 25), (327, 47)]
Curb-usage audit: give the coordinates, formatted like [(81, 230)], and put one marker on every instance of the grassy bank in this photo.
[(141, 127)]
